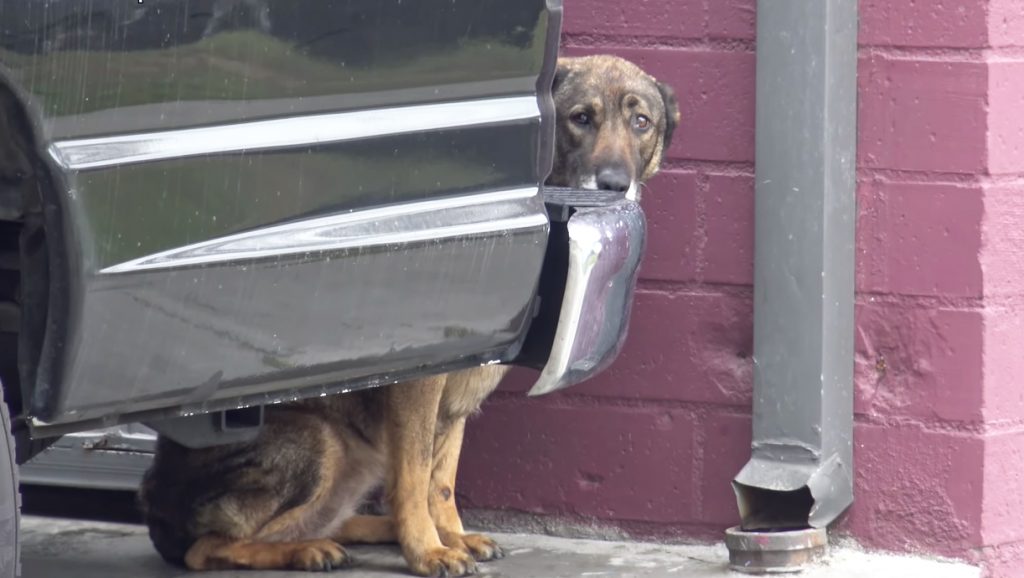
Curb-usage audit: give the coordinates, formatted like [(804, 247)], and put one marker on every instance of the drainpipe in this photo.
[(800, 475)]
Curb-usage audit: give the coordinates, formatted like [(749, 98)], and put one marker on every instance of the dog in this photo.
[(614, 123), (288, 499)]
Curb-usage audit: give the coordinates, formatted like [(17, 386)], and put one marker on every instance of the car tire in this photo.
[(10, 500)]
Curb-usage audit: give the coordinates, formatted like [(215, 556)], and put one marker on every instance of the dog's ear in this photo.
[(561, 72), (668, 96)]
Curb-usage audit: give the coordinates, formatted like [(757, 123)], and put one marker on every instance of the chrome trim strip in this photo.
[(108, 151), (182, 114), (468, 215)]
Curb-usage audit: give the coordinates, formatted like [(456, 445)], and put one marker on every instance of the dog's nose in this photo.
[(613, 179)]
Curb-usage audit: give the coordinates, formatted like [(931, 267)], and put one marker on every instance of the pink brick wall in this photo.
[(652, 444)]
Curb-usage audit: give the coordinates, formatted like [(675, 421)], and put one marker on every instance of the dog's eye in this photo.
[(580, 118), (641, 122)]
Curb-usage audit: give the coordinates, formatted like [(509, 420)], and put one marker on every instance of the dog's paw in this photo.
[(482, 548), (320, 556), (479, 546), (444, 562)]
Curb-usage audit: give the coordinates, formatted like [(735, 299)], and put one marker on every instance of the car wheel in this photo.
[(10, 500)]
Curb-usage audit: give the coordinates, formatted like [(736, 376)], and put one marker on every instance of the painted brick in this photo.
[(1003, 561), (683, 346), (670, 203), (925, 23), (715, 90), (922, 115), (1004, 482), (728, 253), (917, 362), (885, 23), (1004, 362), (930, 23), (602, 462), (1006, 123), (920, 239), (519, 380), (935, 111), (679, 19), (697, 233), (916, 490), (1002, 257), (725, 441), (1006, 23), (736, 19)]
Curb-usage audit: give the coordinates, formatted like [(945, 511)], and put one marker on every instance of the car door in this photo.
[(257, 200)]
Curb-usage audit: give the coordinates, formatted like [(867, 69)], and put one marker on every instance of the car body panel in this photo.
[(260, 200)]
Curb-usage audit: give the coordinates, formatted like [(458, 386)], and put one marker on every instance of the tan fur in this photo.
[(218, 553), (367, 530), (287, 500)]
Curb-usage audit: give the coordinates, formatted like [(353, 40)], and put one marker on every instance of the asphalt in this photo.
[(54, 547)]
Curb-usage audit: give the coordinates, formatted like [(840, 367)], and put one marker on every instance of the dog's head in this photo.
[(614, 123)]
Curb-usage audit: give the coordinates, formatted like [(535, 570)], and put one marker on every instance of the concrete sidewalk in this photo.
[(84, 549)]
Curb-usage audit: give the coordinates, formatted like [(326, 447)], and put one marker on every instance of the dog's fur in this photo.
[(287, 499), (599, 143)]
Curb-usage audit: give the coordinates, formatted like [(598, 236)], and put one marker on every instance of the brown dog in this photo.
[(614, 124), (288, 499)]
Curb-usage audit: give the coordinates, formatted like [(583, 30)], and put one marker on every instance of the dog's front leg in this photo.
[(412, 420), (443, 510)]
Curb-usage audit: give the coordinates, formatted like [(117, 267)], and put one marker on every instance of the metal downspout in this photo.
[(800, 474)]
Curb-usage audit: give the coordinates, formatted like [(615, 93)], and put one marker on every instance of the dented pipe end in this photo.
[(775, 552)]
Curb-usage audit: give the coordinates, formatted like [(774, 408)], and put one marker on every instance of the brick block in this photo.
[(726, 449), (1005, 23), (1006, 124), (732, 19), (673, 236), (700, 233), (923, 115), (916, 490), (611, 463), (1004, 362), (687, 346), (917, 362), (920, 239), (1002, 255), (715, 90), (926, 23), (1004, 479), (728, 254), (680, 19)]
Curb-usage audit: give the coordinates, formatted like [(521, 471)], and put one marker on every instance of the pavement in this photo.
[(53, 547)]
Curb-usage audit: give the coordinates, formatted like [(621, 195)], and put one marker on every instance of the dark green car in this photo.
[(207, 206)]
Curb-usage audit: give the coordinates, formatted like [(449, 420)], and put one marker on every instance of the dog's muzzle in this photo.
[(615, 180)]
